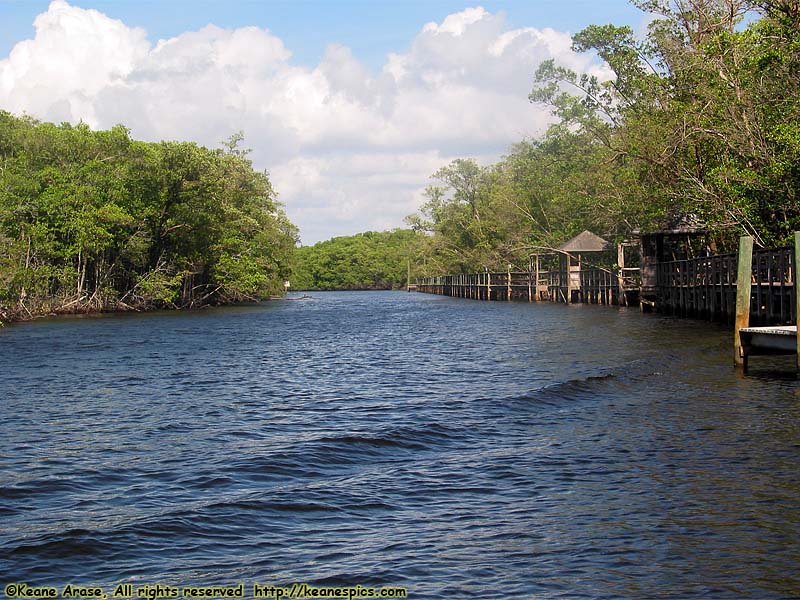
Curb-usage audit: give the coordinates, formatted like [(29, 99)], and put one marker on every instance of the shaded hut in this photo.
[(571, 255), (682, 239)]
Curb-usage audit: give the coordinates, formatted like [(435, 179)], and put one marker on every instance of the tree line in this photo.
[(93, 220), (366, 261), (700, 123)]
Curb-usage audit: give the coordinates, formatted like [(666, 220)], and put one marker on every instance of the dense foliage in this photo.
[(93, 220), (700, 122), (376, 261)]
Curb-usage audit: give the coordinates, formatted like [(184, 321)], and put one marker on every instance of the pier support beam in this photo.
[(797, 295), (743, 277), (622, 299), (530, 280)]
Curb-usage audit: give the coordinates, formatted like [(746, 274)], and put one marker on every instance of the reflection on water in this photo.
[(457, 448)]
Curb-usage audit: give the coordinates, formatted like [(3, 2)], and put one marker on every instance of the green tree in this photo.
[(366, 261), (92, 220)]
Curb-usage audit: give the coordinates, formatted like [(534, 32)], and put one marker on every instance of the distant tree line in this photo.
[(93, 220), (366, 261), (701, 122)]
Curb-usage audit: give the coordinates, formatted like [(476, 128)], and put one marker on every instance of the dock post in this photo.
[(509, 290), (796, 296), (530, 279), (569, 280), (743, 278), (622, 299)]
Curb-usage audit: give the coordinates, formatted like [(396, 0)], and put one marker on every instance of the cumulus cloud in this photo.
[(74, 56), (348, 149)]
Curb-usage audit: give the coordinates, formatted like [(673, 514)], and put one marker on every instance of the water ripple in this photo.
[(461, 449)]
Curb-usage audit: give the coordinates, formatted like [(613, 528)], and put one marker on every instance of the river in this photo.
[(455, 448)]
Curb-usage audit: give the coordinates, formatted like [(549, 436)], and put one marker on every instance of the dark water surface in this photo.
[(460, 449)]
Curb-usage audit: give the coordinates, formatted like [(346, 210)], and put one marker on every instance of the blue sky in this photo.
[(349, 105), (371, 28)]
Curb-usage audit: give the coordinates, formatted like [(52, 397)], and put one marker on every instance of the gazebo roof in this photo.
[(584, 242), (677, 224)]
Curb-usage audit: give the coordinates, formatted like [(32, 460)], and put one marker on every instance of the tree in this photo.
[(704, 109), (92, 220), (371, 260)]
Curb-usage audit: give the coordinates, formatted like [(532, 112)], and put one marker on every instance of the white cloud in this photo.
[(75, 54), (348, 150), (457, 23)]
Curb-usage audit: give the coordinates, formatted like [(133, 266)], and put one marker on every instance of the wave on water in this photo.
[(330, 454), (570, 391), (404, 438), (62, 544), (578, 389)]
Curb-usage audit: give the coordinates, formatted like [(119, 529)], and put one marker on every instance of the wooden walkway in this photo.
[(589, 286), (770, 340)]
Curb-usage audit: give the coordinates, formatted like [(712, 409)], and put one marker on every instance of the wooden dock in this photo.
[(590, 286), (762, 341), (769, 340), (562, 274)]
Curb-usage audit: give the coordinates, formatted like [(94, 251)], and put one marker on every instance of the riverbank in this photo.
[(22, 314)]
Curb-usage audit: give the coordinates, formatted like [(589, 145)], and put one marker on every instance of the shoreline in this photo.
[(18, 316), (8, 317)]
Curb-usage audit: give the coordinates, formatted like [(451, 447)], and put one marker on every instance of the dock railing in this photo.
[(592, 285), (703, 287), (706, 287)]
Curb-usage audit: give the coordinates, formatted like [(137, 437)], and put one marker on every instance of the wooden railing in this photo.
[(772, 300), (595, 286), (702, 287), (706, 287), (600, 286)]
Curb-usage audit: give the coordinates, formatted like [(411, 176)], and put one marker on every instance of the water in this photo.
[(459, 449)]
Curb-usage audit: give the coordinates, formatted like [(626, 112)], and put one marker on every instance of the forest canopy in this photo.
[(93, 220), (366, 261)]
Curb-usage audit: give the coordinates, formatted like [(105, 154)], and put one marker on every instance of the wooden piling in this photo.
[(568, 274), (530, 279), (743, 278), (622, 299), (797, 296)]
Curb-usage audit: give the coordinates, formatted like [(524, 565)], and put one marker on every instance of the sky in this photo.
[(350, 105)]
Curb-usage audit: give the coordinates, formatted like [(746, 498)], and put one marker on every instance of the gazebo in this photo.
[(571, 254), (674, 242)]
